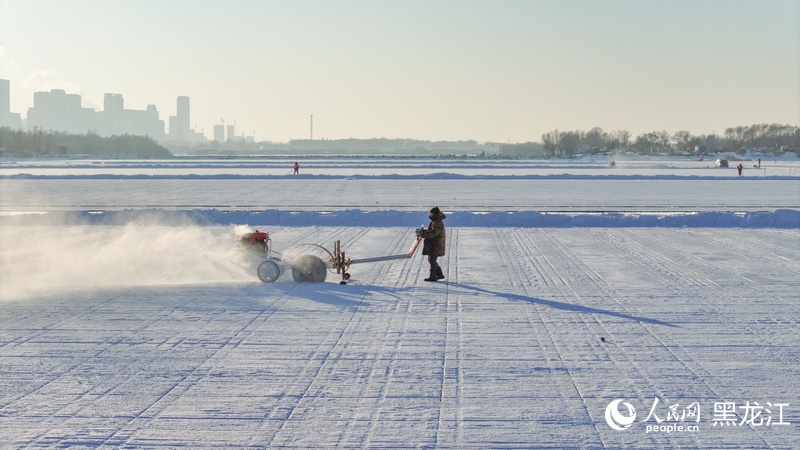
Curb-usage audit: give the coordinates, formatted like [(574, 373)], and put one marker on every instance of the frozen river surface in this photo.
[(150, 334), (328, 185)]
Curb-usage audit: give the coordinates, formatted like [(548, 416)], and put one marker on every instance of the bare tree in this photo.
[(682, 140), (595, 137), (568, 142), (623, 137), (550, 141)]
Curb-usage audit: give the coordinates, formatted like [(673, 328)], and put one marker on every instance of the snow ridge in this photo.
[(413, 176), (780, 219)]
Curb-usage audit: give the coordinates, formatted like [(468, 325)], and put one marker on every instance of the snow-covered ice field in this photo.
[(651, 305)]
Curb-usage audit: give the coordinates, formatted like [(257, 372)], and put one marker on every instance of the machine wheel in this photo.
[(316, 250), (268, 271), (309, 269)]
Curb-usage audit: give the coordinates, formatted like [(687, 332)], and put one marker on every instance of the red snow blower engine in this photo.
[(257, 241)]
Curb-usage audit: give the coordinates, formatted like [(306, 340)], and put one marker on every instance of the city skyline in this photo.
[(505, 71), (57, 110)]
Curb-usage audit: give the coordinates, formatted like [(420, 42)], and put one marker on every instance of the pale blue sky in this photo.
[(489, 70)]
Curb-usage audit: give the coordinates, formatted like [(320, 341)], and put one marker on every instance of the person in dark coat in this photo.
[(434, 243)]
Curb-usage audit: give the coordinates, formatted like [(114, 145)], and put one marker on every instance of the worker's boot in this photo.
[(439, 274), (432, 276)]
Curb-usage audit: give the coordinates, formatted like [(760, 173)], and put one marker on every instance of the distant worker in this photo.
[(739, 168), (434, 243), (296, 168)]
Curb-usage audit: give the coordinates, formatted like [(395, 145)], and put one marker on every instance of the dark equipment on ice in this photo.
[(309, 262)]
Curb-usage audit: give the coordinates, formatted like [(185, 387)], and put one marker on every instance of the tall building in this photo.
[(113, 115), (7, 118), (219, 133), (182, 120), (5, 97), (180, 130), (231, 132), (58, 111), (116, 120), (179, 124), (150, 123)]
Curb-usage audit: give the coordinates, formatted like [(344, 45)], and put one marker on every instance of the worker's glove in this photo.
[(420, 230)]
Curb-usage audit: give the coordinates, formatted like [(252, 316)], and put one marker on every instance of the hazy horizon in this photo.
[(490, 71)]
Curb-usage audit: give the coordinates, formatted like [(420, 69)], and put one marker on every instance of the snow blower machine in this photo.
[(308, 262)]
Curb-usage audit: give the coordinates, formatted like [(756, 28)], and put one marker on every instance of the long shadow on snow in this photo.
[(563, 306), (349, 297), (353, 296)]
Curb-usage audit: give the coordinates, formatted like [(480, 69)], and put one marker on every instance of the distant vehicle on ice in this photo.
[(721, 163)]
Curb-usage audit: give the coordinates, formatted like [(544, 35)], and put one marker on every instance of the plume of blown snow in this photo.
[(44, 259)]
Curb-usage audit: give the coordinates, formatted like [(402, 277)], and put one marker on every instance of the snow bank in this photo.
[(782, 218)]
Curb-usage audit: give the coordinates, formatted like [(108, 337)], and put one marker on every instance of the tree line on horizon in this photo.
[(774, 138), (58, 143)]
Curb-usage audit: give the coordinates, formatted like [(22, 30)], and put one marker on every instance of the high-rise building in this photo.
[(113, 113), (7, 118), (116, 120), (219, 133), (182, 119), (5, 97), (179, 124), (58, 111), (231, 132)]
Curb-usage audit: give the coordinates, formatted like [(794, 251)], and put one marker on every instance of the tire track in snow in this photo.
[(379, 273), (406, 273), (40, 333), (403, 272), (547, 273), (729, 318), (624, 361), (450, 428), (516, 255), (654, 260), (287, 404), (405, 268), (585, 279), (683, 281), (392, 339), (650, 258), (397, 338), (50, 431), (760, 251), (121, 435), (543, 248), (155, 411)]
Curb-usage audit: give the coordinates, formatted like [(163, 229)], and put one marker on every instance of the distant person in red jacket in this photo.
[(739, 168), (296, 168)]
